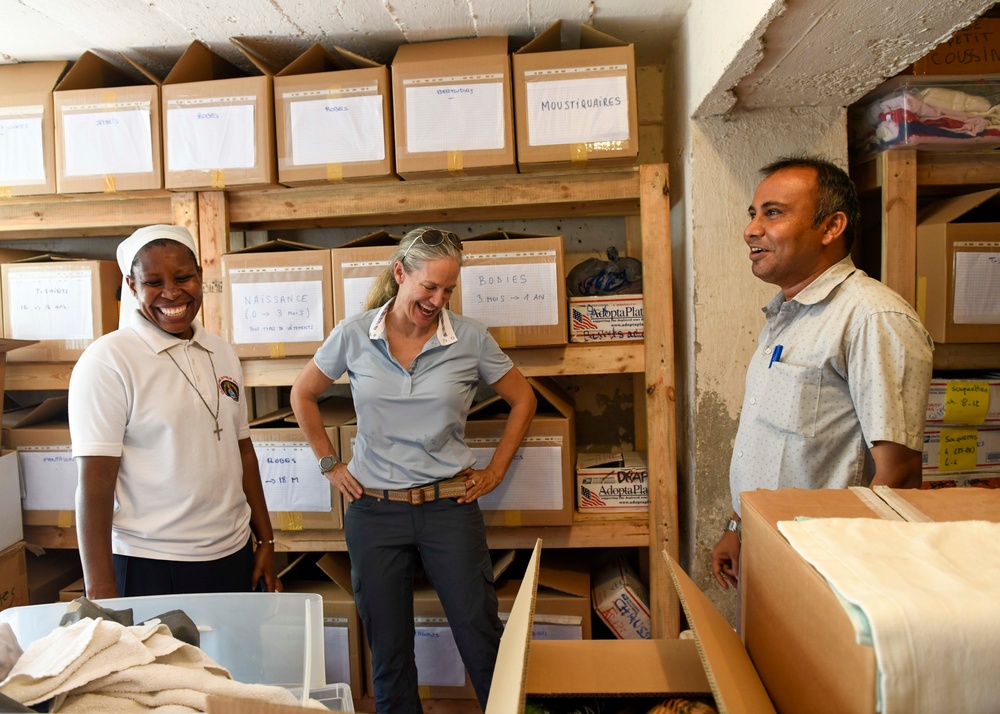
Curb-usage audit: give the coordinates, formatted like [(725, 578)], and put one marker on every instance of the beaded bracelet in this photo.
[(265, 542)]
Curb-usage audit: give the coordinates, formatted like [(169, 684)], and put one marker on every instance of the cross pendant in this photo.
[(218, 431)]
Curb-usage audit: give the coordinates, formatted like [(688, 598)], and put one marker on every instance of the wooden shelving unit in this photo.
[(901, 178), (639, 194)]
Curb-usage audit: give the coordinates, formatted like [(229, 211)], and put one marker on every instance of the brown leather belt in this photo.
[(449, 488)]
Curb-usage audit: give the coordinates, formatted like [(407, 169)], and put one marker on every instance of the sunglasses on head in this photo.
[(431, 238)]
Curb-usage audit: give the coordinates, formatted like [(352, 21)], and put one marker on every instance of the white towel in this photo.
[(10, 650), (930, 593)]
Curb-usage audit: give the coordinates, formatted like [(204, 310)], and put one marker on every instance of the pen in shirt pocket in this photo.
[(775, 355)]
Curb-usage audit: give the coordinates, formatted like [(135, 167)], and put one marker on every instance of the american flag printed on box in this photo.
[(612, 318)]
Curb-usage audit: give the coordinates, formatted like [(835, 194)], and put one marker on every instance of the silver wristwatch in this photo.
[(327, 463), (735, 526)]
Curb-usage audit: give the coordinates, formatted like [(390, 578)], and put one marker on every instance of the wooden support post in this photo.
[(213, 240), (899, 222)]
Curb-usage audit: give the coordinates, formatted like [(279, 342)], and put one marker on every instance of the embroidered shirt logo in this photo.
[(229, 387)]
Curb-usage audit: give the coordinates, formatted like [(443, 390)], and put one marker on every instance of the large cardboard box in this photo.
[(966, 399), (984, 478), (562, 602), (218, 121), (621, 600), (451, 106), (513, 283), (13, 577), (333, 118), (961, 448), (107, 129), (299, 497), (356, 265), (63, 304), (330, 577), (972, 51), (958, 268), (611, 318), (538, 487), (48, 472), (612, 482), (49, 572), (713, 664), (798, 634), (575, 105), (27, 128), (277, 299)]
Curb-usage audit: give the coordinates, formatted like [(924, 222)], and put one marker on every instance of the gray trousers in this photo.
[(386, 540)]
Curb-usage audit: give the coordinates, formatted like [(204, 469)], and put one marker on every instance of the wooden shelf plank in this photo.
[(984, 356), (609, 192), (934, 168), (37, 375), (76, 216)]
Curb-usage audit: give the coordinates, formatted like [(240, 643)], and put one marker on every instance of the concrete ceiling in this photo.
[(156, 32)]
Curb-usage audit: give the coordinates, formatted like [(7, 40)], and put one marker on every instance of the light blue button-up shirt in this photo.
[(411, 422)]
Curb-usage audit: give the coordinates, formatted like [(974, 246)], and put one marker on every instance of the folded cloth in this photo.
[(81, 608), (10, 650), (928, 591)]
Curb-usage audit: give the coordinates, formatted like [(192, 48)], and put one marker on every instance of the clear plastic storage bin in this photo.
[(927, 112), (335, 697), (261, 638)]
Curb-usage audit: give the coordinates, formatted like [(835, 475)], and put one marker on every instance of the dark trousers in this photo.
[(386, 540), (146, 576)]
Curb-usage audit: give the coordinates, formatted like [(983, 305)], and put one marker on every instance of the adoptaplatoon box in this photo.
[(107, 129), (333, 118), (575, 105), (961, 448), (451, 106), (63, 303), (27, 128), (278, 299), (614, 318), (621, 600), (958, 268), (612, 482)]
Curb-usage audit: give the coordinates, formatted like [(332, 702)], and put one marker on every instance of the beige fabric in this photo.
[(10, 650)]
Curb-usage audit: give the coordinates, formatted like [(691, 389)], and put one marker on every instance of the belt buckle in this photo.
[(409, 496)]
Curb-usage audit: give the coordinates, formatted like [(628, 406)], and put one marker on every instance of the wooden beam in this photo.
[(213, 242), (899, 222)]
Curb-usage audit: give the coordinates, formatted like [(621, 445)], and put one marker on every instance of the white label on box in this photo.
[(977, 287), (116, 140), (337, 651), (22, 152), (337, 131), (455, 117), (511, 295), (577, 111), (355, 292), (606, 319), (203, 138), (533, 481), (50, 478), (51, 304), (290, 477), (287, 311), (438, 662)]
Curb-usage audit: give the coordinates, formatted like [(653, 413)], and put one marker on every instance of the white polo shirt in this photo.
[(411, 422), (179, 494), (854, 368)]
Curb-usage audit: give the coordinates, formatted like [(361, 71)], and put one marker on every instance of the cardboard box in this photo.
[(51, 571), (298, 495), (277, 299), (48, 473), (797, 632), (957, 258), (612, 482), (987, 478), (107, 132), (11, 528), (974, 50), (330, 577), (13, 577), (575, 106), (451, 106), (961, 448), (63, 304), (713, 663), (562, 602), (333, 118), (621, 600), (218, 121), (513, 283), (356, 265), (615, 318), (969, 399), (27, 128), (72, 591), (538, 487)]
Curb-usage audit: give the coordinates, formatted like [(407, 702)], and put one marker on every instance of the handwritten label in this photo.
[(977, 284), (206, 138), (974, 50), (571, 111), (292, 482), (455, 118), (966, 402), (511, 295), (49, 479), (439, 663), (285, 311), (958, 449), (108, 142), (533, 481), (22, 156), (355, 121), (47, 304)]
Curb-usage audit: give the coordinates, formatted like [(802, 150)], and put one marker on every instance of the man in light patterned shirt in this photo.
[(836, 392)]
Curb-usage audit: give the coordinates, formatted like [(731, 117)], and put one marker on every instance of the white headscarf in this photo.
[(126, 256)]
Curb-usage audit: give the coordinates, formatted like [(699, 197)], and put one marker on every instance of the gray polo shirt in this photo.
[(411, 423)]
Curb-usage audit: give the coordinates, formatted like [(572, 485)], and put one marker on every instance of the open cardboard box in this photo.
[(798, 635), (713, 663)]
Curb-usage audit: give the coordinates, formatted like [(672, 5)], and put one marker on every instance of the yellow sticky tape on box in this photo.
[(454, 160), (218, 178), (290, 520), (334, 172), (110, 185), (277, 350), (966, 402)]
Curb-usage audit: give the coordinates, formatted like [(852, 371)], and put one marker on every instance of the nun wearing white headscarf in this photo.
[(169, 498)]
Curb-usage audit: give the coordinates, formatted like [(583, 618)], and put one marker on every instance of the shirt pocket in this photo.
[(790, 399)]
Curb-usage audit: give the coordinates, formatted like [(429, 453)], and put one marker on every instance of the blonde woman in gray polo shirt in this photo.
[(414, 368)]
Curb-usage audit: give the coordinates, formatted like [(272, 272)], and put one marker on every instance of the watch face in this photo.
[(326, 463)]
